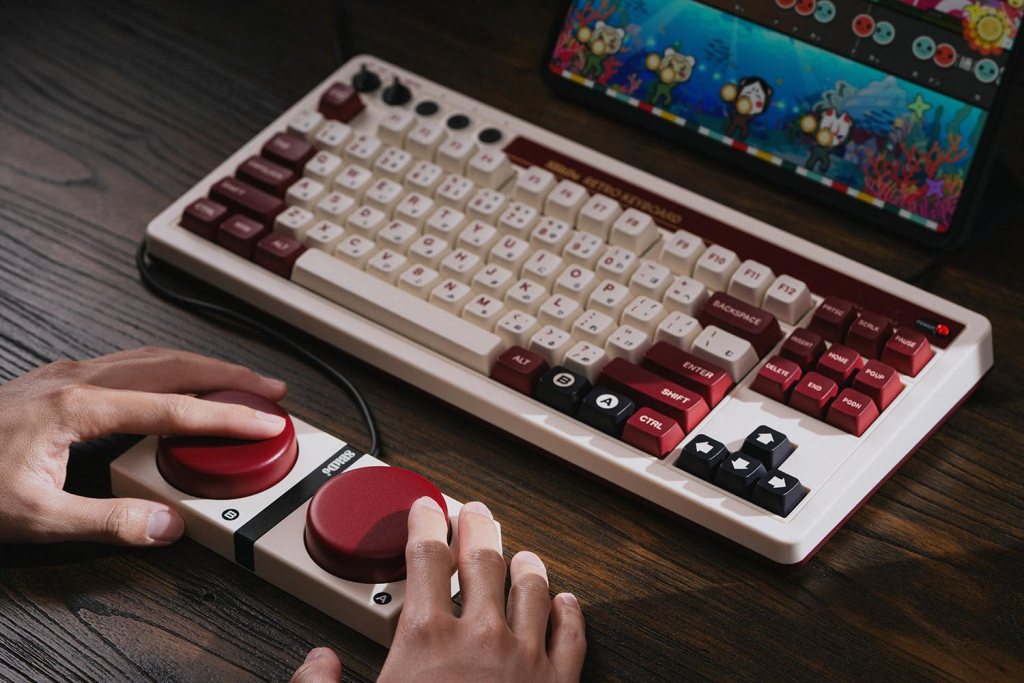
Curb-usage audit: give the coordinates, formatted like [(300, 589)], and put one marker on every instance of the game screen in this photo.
[(882, 100)]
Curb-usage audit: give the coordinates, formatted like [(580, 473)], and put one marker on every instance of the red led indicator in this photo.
[(942, 330)]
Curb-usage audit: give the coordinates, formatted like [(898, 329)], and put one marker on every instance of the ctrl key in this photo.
[(652, 432), (778, 492)]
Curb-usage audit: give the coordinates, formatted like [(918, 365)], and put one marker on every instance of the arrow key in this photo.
[(738, 474), (768, 445), (778, 492), (701, 456)]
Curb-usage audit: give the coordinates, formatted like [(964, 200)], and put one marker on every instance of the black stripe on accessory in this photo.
[(289, 501)]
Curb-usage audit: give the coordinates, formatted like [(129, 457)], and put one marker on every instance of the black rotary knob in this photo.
[(365, 80), (396, 94)]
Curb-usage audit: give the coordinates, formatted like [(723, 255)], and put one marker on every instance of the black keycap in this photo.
[(427, 108), (778, 492), (488, 135), (606, 410), (701, 456), (738, 473), (458, 121), (561, 389), (768, 445)]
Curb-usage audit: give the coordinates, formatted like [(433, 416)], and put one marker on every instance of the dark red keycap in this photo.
[(879, 382), (839, 363), (217, 468), (341, 102), (277, 253), (832, 318), (203, 216), (758, 327), (803, 347), (868, 334), (776, 378), (519, 369), (288, 150), (244, 198), (711, 382), (852, 411), (239, 234), (907, 350), (812, 394), (266, 175), (357, 524), (654, 391), (652, 432)]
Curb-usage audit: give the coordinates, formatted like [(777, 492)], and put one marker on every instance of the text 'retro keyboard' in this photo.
[(740, 377)]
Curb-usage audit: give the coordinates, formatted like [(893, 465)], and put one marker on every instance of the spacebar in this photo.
[(408, 315)]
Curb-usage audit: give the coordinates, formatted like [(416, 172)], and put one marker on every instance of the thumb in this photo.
[(321, 666), (121, 521)]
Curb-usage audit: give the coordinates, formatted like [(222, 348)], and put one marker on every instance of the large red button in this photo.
[(212, 467), (357, 523)]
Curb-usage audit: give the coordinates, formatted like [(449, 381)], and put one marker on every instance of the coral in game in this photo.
[(748, 99), (672, 68)]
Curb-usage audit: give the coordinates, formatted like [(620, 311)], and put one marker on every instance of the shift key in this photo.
[(244, 198), (653, 391), (728, 313), (711, 382)]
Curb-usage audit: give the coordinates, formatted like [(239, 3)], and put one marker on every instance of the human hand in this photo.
[(138, 392)]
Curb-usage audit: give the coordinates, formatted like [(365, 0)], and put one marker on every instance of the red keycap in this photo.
[(812, 394), (803, 347), (777, 378), (277, 253), (839, 363), (245, 198), (833, 318), (240, 234), (203, 216), (288, 150), (907, 350), (341, 102), (758, 327), (879, 382), (519, 369), (868, 333), (652, 432), (654, 391), (711, 382), (852, 412), (266, 175)]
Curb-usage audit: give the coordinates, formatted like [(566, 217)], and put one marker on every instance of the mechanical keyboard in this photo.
[(735, 375)]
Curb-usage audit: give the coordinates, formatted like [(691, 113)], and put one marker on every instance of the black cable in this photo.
[(214, 310)]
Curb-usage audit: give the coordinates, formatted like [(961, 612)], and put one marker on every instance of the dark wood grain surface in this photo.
[(110, 110)]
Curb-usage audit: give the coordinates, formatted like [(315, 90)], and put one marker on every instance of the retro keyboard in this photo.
[(738, 376)]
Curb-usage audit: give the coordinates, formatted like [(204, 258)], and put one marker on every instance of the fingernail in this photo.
[(270, 418), (568, 599), (275, 385), (479, 508), (315, 654), (532, 558), (164, 526), (427, 502)]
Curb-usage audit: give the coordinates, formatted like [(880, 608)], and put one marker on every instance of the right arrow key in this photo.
[(778, 492), (768, 445)]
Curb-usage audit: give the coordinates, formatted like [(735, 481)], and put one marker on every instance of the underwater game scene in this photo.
[(887, 141)]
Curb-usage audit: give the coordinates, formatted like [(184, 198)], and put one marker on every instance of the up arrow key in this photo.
[(777, 482), (765, 438), (768, 445), (702, 447)]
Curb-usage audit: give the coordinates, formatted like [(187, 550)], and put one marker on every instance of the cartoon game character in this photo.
[(748, 98), (830, 133), (672, 69), (601, 41)]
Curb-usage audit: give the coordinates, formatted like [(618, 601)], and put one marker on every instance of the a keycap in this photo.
[(879, 382), (776, 378), (243, 197), (341, 102), (778, 492), (239, 235), (606, 410), (734, 355), (651, 390), (768, 445), (907, 350), (562, 389), (652, 432), (833, 318), (757, 326), (278, 253), (868, 334), (738, 473), (839, 363), (519, 369), (289, 151), (852, 412), (803, 347), (812, 394), (709, 381), (203, 217), (701, 456), (266, 175)]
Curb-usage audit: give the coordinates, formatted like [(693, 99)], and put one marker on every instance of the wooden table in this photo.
[(112, 109)]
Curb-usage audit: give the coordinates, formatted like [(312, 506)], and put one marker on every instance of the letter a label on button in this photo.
[(607, 401)]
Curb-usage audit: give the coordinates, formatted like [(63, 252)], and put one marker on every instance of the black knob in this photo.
[(396, 94), (365, 80)]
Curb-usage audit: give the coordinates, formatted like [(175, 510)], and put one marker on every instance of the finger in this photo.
[(568, 644), (121, 521), (168, 370), (321, 666), (89, 412), (428, 562), (481, 565), (528, 602)]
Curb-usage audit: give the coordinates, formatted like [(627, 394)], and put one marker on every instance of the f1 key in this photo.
[(758, 327)]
